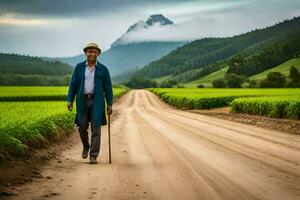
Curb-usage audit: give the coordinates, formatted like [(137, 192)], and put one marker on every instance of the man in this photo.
[(90, 82)]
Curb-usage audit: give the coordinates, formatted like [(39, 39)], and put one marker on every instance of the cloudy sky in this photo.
[(62, 27)]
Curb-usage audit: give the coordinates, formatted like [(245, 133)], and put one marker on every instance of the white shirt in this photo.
[(89, 79)]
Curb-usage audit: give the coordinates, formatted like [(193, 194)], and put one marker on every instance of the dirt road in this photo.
[(162, 153)]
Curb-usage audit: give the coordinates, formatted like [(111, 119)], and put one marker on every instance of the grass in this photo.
[(31, 123), (284, 68), (207, 80), (208, 98), (42, 93)]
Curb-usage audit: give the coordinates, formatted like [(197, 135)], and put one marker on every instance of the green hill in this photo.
[(266, 58), (283, 68), (199, 58), (207, 80), (163, 78), (26, 70)]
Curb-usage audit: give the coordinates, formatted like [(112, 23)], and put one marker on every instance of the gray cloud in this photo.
[(63, 27), (70, 8)]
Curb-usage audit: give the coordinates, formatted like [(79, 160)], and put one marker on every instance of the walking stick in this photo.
[(109, 150)]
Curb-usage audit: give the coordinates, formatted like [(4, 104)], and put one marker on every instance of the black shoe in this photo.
[(93, 160), (85, 152)]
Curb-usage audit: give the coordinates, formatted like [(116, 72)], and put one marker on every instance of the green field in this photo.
[(208, 92), (34, 116), (41, 93), (26, 124), (278, 106), (208, 98)]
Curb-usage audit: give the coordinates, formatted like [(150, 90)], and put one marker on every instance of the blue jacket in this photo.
[(102, 89)]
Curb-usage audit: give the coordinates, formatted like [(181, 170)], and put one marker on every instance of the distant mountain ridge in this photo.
[(121, 58)]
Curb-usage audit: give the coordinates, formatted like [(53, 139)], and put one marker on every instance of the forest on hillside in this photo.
[(26, 70)]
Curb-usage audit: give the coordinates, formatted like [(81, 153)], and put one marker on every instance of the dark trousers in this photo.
[(83, 129)]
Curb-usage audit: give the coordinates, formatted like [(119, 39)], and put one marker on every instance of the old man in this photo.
[(91, 83)]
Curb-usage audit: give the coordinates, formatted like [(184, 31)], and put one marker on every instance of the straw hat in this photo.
[(92, 46)]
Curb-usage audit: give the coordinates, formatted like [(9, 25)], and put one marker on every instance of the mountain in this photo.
[(157, 19), (204, 56), (122, 57), (26, 70)]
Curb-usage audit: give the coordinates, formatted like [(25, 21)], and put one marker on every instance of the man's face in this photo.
[(91, 54)]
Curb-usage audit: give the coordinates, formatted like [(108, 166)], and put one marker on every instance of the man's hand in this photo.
[(109, 110), (70, 106)]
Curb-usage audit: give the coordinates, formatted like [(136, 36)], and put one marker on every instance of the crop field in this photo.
[(41, 93), (277, 106), (26, 124), (34, 116), (208, 98)]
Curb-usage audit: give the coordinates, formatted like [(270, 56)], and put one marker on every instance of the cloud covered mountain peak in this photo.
[(141, 25), (158, 18)]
